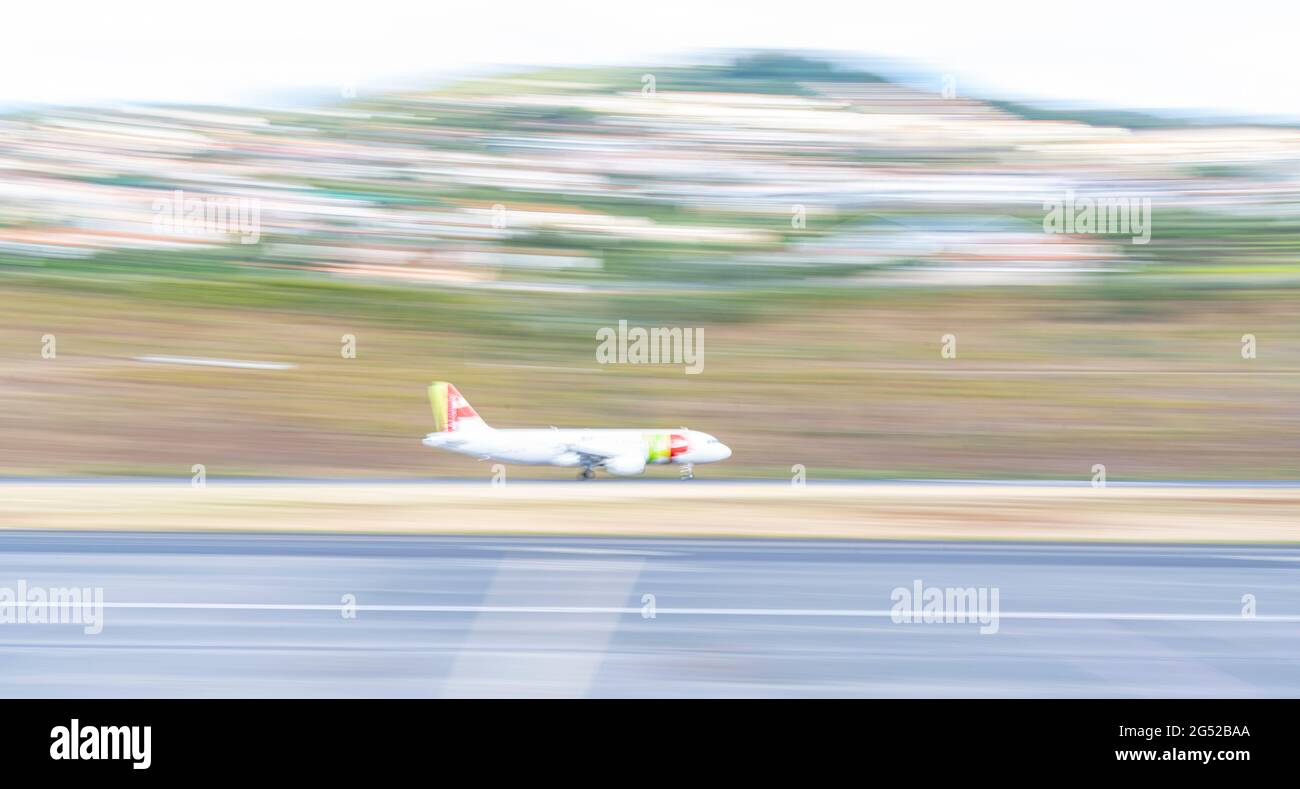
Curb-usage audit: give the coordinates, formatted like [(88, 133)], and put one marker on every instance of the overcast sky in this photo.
[(1231, 57)]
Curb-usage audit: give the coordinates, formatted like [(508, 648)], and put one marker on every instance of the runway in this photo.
[(305, 615)]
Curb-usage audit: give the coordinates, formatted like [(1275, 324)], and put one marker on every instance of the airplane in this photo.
[(623, 453)]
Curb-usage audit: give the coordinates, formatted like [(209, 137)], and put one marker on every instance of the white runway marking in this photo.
[(575, 550), (561, 661), (243, 365), (849, 613)]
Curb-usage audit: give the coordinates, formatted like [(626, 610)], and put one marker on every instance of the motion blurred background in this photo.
[(825, 219)]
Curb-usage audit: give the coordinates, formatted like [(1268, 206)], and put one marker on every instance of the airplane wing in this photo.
[(600, 448)]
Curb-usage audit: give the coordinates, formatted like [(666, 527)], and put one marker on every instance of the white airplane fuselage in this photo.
[(623, 452), (553, 446)]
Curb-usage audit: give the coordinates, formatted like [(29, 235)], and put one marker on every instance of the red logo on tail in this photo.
[(457, 408)]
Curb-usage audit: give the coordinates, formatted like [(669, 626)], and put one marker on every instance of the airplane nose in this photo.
[(724, 451)]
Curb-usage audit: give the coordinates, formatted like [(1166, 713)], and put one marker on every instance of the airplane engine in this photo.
[(625, 465)]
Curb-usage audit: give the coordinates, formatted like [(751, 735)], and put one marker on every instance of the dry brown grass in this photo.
[(963, 512), (855, 387)]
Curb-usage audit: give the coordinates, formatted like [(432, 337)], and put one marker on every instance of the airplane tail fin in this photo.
[(451, 411)]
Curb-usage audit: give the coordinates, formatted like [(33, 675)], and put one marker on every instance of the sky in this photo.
[(1235, 57)]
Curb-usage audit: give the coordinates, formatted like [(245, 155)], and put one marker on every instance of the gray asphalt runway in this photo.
[(264, 615)]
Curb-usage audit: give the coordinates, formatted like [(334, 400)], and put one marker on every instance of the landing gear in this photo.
[(587, 473), (688, 472)]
